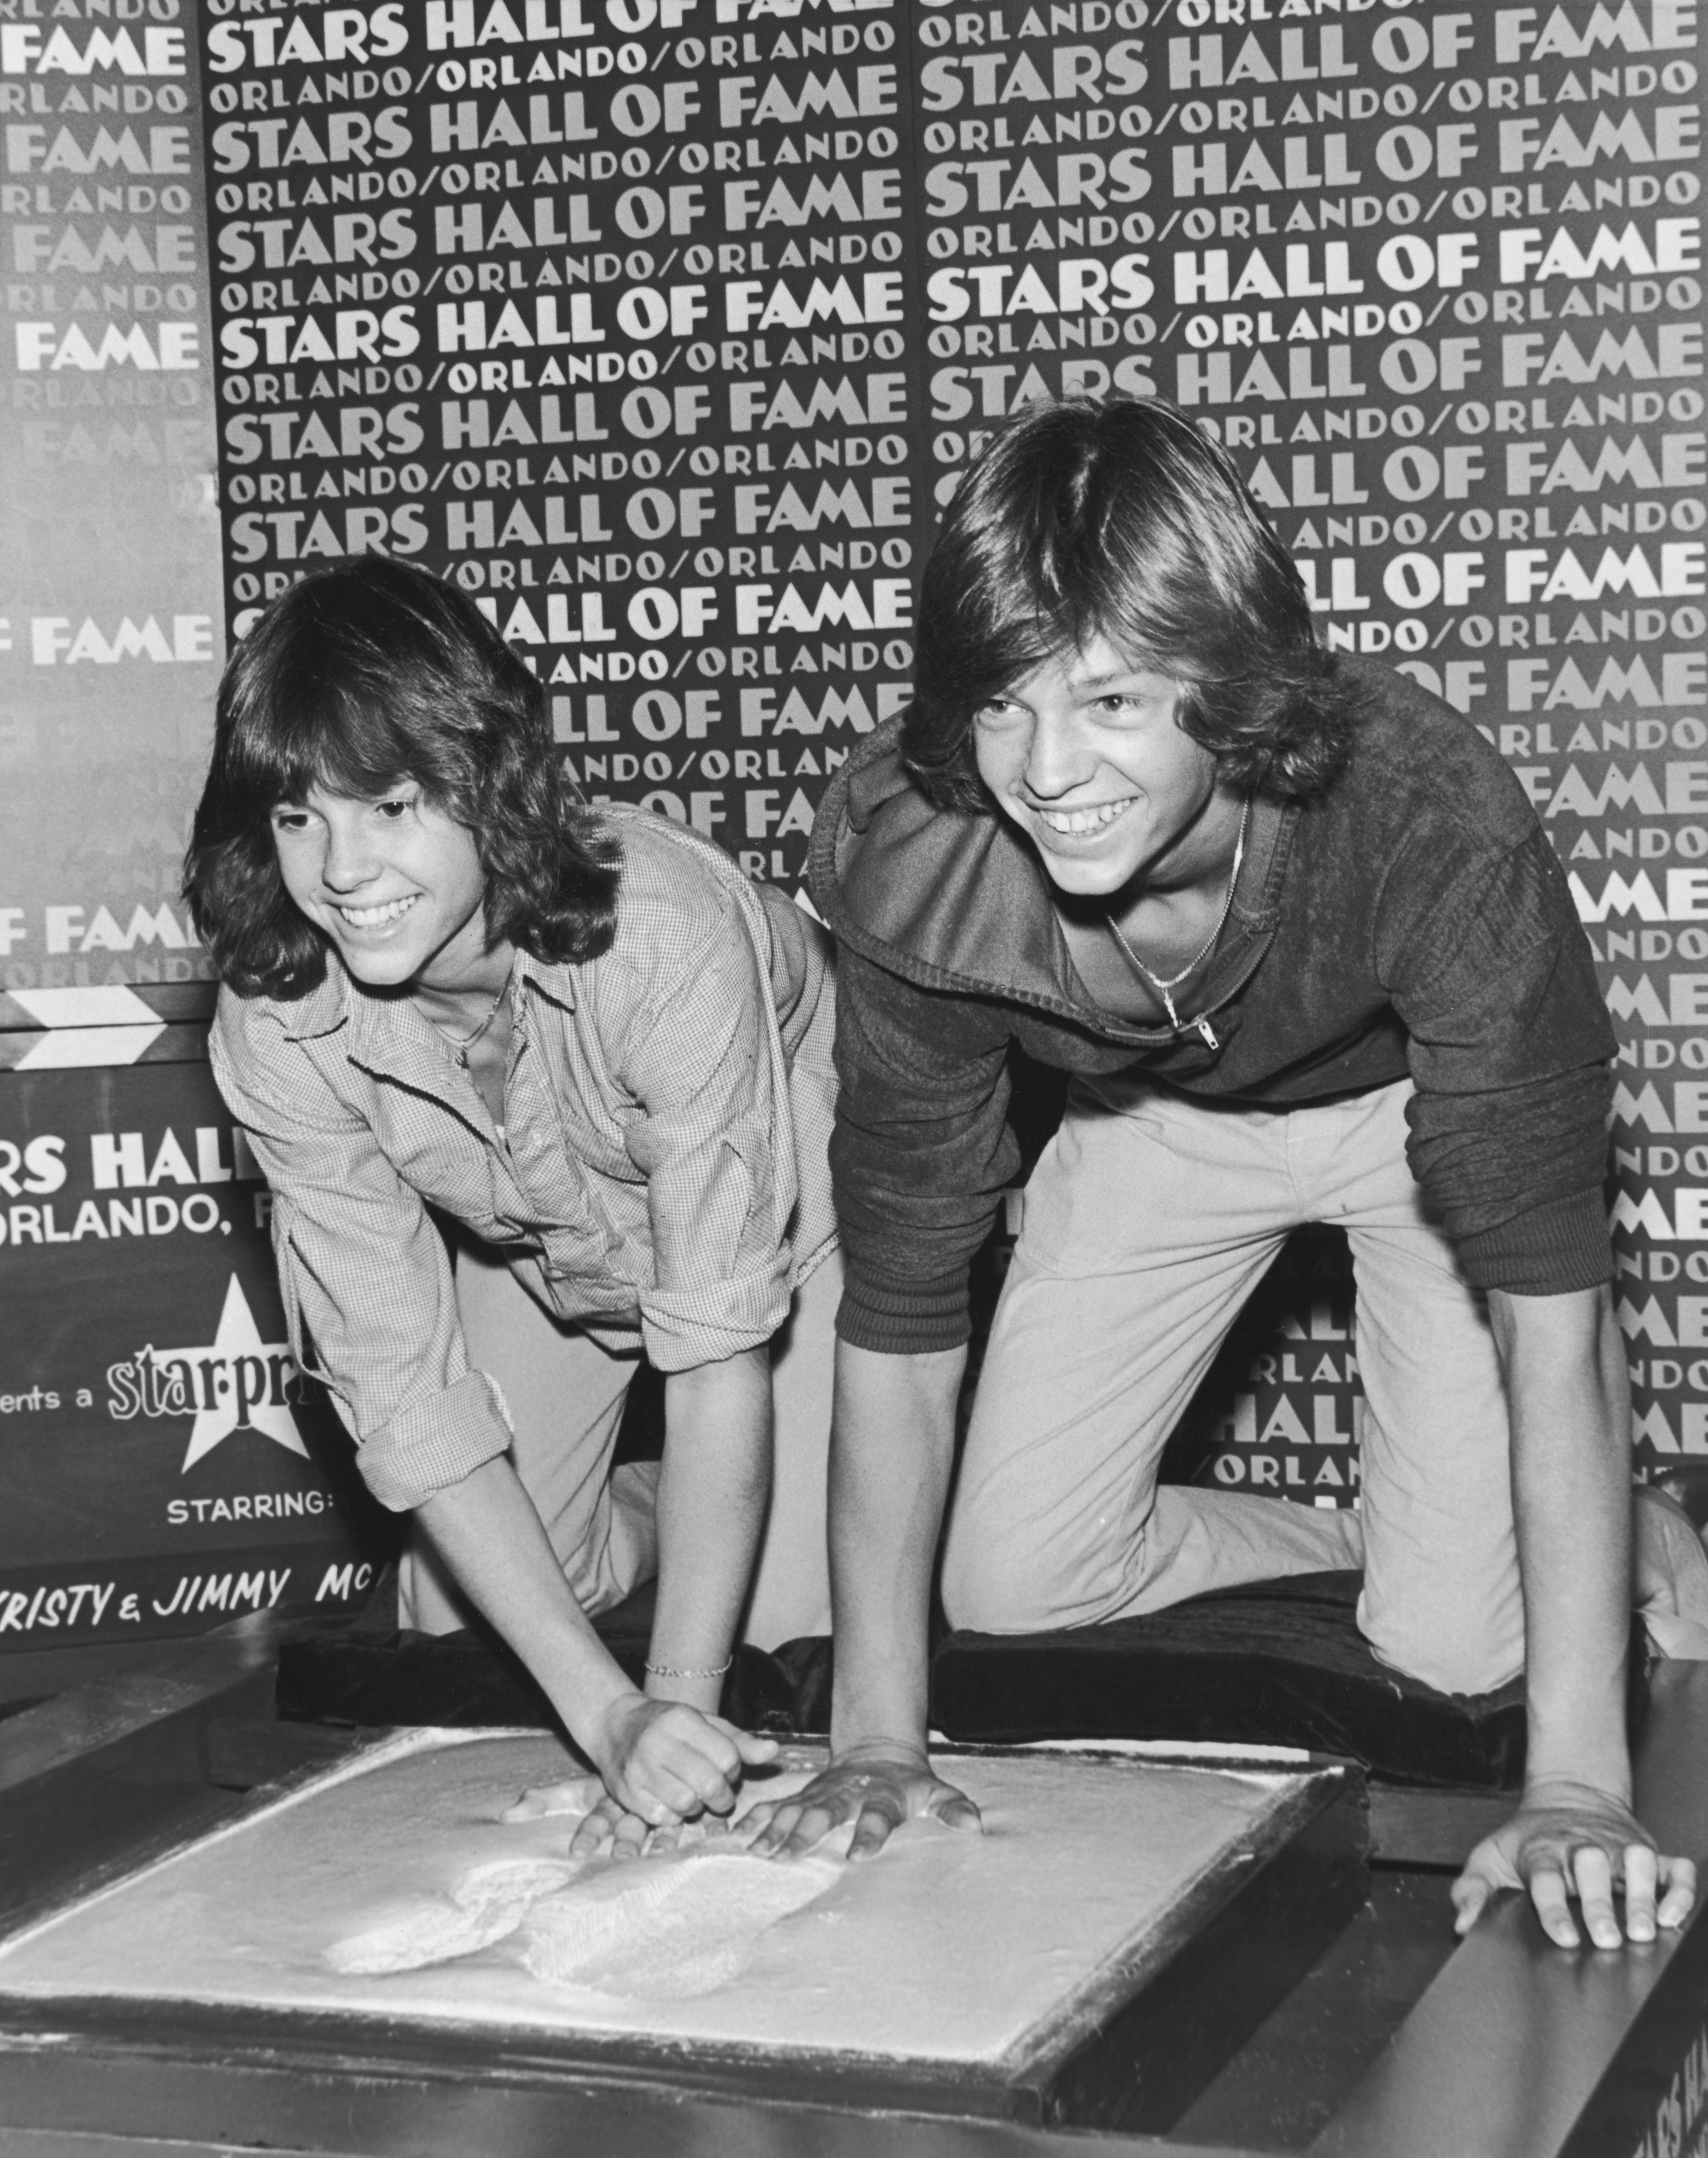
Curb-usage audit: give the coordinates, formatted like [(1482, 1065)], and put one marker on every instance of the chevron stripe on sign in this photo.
[(85, 1026), (177, 1002), (39, 1052)]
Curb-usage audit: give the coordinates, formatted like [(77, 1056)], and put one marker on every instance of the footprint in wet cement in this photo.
[(669, 1928), (487, 1904)]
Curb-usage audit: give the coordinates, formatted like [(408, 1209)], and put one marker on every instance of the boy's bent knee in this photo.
[(1474, 1662), (981, 1592), (973, 1601), (1005, 1585)]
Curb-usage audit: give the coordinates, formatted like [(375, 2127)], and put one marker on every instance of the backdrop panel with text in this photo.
[(166, 1467), (1432, 276), (110, 542), (605, 317), (665, 327)]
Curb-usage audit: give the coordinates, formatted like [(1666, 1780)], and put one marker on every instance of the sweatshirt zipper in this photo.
[(1200, 1025)]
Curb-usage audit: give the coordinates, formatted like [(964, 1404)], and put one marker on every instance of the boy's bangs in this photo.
[(1010, 657), (1161, 612), (1057, 617)]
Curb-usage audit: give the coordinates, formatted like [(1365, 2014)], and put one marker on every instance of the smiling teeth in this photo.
[(1071, 822), (375, 917)]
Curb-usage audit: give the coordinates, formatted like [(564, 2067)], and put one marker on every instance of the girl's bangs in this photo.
[(344, 745)]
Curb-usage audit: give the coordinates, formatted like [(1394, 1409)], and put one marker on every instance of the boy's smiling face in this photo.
[(1085, 754), (394, 883)]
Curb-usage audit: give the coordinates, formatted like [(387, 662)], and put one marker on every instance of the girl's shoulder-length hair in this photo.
[(357, 679), (1119, 518)]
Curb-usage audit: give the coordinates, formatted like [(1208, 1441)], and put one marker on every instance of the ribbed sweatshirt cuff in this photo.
[(1550, 1251), (910, 1322)]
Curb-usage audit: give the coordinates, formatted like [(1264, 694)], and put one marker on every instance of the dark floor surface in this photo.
[(1290, 2078)]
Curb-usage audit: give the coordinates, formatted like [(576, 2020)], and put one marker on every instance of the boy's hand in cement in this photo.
[(876, 1787)]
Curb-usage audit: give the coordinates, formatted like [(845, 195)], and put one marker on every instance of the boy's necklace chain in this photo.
[(1156, 982)]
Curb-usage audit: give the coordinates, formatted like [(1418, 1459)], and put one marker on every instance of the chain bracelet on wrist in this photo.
[(672, 1671)]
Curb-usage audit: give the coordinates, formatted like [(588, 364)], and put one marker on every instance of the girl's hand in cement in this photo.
[(606, 1826), (666, 1762), (610, 1829), (876, 1786), (576, 1794)]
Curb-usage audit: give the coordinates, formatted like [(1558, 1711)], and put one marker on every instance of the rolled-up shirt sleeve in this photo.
[(714, 1141), (366, 1280)]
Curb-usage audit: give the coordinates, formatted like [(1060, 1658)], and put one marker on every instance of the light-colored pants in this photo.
[(566, 1392), (1147, 1223)]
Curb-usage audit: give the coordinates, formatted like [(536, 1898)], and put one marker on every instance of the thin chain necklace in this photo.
[(461, 1044), (1165, 989)]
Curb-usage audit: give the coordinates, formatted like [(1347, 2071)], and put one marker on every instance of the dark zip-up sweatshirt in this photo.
[(1415, 921)]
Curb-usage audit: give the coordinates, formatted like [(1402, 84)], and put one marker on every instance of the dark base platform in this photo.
[(374, 1674), (1279, 1663)]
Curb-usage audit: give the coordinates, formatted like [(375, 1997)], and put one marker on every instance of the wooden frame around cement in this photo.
[(1129, 2050)]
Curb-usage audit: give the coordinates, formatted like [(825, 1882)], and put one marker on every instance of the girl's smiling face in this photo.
[(396, 885), (1085, 754)]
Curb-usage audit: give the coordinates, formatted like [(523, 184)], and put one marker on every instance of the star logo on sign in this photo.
[(235, 1383)]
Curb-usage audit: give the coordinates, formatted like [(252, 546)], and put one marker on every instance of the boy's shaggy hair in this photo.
[(1119, 519), (357, 679)]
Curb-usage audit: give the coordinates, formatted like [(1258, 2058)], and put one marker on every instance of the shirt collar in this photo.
[(323, 1009), (556, 980), (1256, 897), (335, 1002)]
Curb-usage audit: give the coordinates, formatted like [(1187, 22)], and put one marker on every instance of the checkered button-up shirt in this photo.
[(662, 1164)]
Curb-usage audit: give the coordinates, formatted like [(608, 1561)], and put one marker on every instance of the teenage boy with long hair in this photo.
[(1297, 934)]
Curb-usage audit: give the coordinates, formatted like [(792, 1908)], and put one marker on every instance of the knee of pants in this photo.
[(996, 1580), (1478, 1656)]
